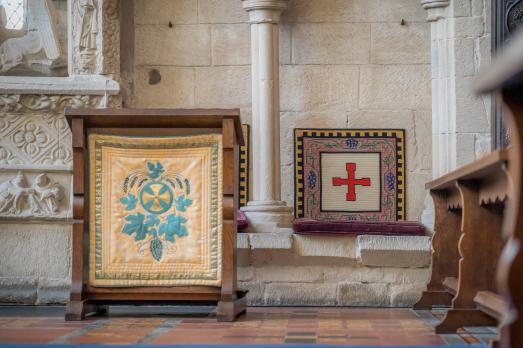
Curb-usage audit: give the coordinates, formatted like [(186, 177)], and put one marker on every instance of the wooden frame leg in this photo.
[(475, 268), (432, 298), (75, 310), (458, 318), (445, 255), (230, 310)]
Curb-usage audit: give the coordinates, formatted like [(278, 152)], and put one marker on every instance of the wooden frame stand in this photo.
[(84, 298)]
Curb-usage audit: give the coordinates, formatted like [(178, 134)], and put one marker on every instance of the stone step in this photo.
[(394, 251)]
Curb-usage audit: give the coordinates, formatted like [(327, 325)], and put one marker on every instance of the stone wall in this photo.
[(293, 270), (357, 64)]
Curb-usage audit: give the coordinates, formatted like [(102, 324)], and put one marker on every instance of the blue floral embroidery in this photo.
[(391, 181), (352, 143), (155, 200), (135, 225), (311, 179), (155, 170), (182, 203), (174, 226), (130, 201)]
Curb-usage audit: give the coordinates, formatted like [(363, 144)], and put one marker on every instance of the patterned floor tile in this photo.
[(281, 325)]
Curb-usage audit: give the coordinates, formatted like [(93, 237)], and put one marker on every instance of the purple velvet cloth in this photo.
[(241, 221), (354, 228)]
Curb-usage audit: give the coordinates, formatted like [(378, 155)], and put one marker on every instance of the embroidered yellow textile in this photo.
[(155, 210)]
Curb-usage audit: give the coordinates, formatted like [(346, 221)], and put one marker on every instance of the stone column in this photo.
[(443, 150), (266, 211), (460, 45)]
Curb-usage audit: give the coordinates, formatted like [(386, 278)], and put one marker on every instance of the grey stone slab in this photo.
[(394, 251)]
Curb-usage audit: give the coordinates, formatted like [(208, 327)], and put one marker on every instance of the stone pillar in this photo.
[(266, 211), (460, 45), (443, 149)]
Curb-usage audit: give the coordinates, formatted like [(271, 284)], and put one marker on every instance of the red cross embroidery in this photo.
[(351, 181)]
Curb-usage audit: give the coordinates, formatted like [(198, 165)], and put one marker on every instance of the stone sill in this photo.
[(370, 250), (72, 85), (273, 240)]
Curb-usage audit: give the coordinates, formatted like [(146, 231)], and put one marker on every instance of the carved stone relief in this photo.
[(85, 34), (41, 198), (43, 139), (34, 136), (96, 37), (34, 102), (111, 39)]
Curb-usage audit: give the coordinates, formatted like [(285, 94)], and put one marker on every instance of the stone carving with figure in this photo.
[(48, 194), (87, 15), (17, 198)]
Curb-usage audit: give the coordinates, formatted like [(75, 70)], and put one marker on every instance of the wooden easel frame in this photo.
[(84, 298)]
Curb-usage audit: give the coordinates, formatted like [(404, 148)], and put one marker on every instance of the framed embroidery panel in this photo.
[(350, 175), (156, 211), (155, 196)]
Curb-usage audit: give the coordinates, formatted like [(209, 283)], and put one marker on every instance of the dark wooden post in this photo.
[(444, 258), (510, 270), (229, 305), (75, 308)]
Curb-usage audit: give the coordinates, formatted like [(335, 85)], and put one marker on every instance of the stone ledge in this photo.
[(371, 250), (273, 240), (394, 251), (72, 85), (242, 241)]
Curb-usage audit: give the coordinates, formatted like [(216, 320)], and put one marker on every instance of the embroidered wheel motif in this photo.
[(156, 197)]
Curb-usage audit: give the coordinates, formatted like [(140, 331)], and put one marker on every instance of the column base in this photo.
[(268, 216), (428, 215)]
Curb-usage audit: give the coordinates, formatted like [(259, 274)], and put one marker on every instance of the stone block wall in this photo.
[(327, 271), (344, 64)]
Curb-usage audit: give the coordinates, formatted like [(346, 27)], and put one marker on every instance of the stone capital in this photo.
[(264, 11), (436, 9), (428, 4)]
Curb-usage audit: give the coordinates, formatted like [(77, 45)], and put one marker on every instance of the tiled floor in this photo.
[(338, 326)]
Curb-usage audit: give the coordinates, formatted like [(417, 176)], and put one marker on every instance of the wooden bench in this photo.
[(468, 241), (505, 78), (478, 241)]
